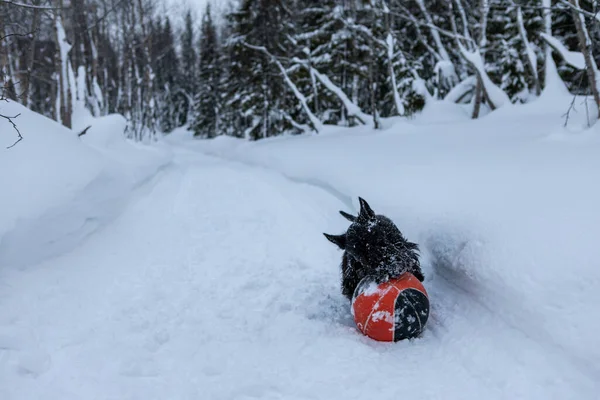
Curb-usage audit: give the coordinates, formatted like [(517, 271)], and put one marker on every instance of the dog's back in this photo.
[(374, 246)]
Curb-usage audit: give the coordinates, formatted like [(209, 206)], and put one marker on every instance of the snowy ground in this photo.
[(215, 282)]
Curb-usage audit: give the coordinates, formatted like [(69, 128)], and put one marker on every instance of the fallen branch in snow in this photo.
[(83, 132), (10, 120)]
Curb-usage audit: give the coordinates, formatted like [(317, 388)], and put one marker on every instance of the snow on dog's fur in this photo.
[(374, 246)]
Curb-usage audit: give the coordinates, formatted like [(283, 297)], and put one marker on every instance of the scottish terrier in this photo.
[(373, 246)]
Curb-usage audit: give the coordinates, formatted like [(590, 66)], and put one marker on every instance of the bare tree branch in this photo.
[(585, 45), (433, 27), (23, 5), (106, 14), (83, 132), (316, 124), (15, 34), (10, 120), (580, 10), (568, 113)]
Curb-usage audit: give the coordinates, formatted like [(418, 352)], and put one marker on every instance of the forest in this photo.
[(299, 199), (269, 67)]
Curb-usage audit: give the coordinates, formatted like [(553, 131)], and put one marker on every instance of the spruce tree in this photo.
[(230, 120), (207, 101), (189, 65), (166, 72), (513, 71), (332, 48), (257, 93)]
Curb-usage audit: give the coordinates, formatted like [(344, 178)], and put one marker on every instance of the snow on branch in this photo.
[(531, 57), (580, 10), (585, 45), (388, 45), (434, 32), (417, 25), (322, 30), (304, 128), (573, 58), (352, 108), (495, 96), (315, 122), (465, 21), (390, 54), (364, 30), (462, 90)]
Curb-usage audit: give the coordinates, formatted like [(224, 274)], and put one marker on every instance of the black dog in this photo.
[(374, 246)]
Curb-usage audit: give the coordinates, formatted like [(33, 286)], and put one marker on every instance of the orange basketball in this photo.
[(391, 311)]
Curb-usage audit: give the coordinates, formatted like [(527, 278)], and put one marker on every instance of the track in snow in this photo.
[(217, 284)]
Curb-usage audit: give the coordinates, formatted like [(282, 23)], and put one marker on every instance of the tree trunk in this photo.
[(390, 60), (149, 103), (31, 55), (484, 8), (313, 82), (372, 81), (64, 83), (434, 32), (531, 60), (585, 45), (478, 98), (7, 68)]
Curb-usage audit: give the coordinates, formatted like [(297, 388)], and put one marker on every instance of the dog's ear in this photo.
[(338, 240), (366, 212), (349, 217)]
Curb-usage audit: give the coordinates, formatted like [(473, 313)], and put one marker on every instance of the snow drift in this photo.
[(215, 280), (58, 187), (504, 208)]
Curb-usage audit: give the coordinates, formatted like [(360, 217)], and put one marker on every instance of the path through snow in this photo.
[(216, 283)]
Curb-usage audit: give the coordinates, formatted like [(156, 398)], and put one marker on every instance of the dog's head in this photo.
[(374, 240)]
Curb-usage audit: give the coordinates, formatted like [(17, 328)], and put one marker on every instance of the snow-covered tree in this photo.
[(255, 89), (207, 101), (189, 63), (269, 66)]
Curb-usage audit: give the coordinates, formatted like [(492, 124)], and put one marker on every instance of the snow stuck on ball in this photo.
[(391, 311)]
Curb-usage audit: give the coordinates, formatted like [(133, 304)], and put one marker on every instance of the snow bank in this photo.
[(505, 208), (217, 282), (58, 187)]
